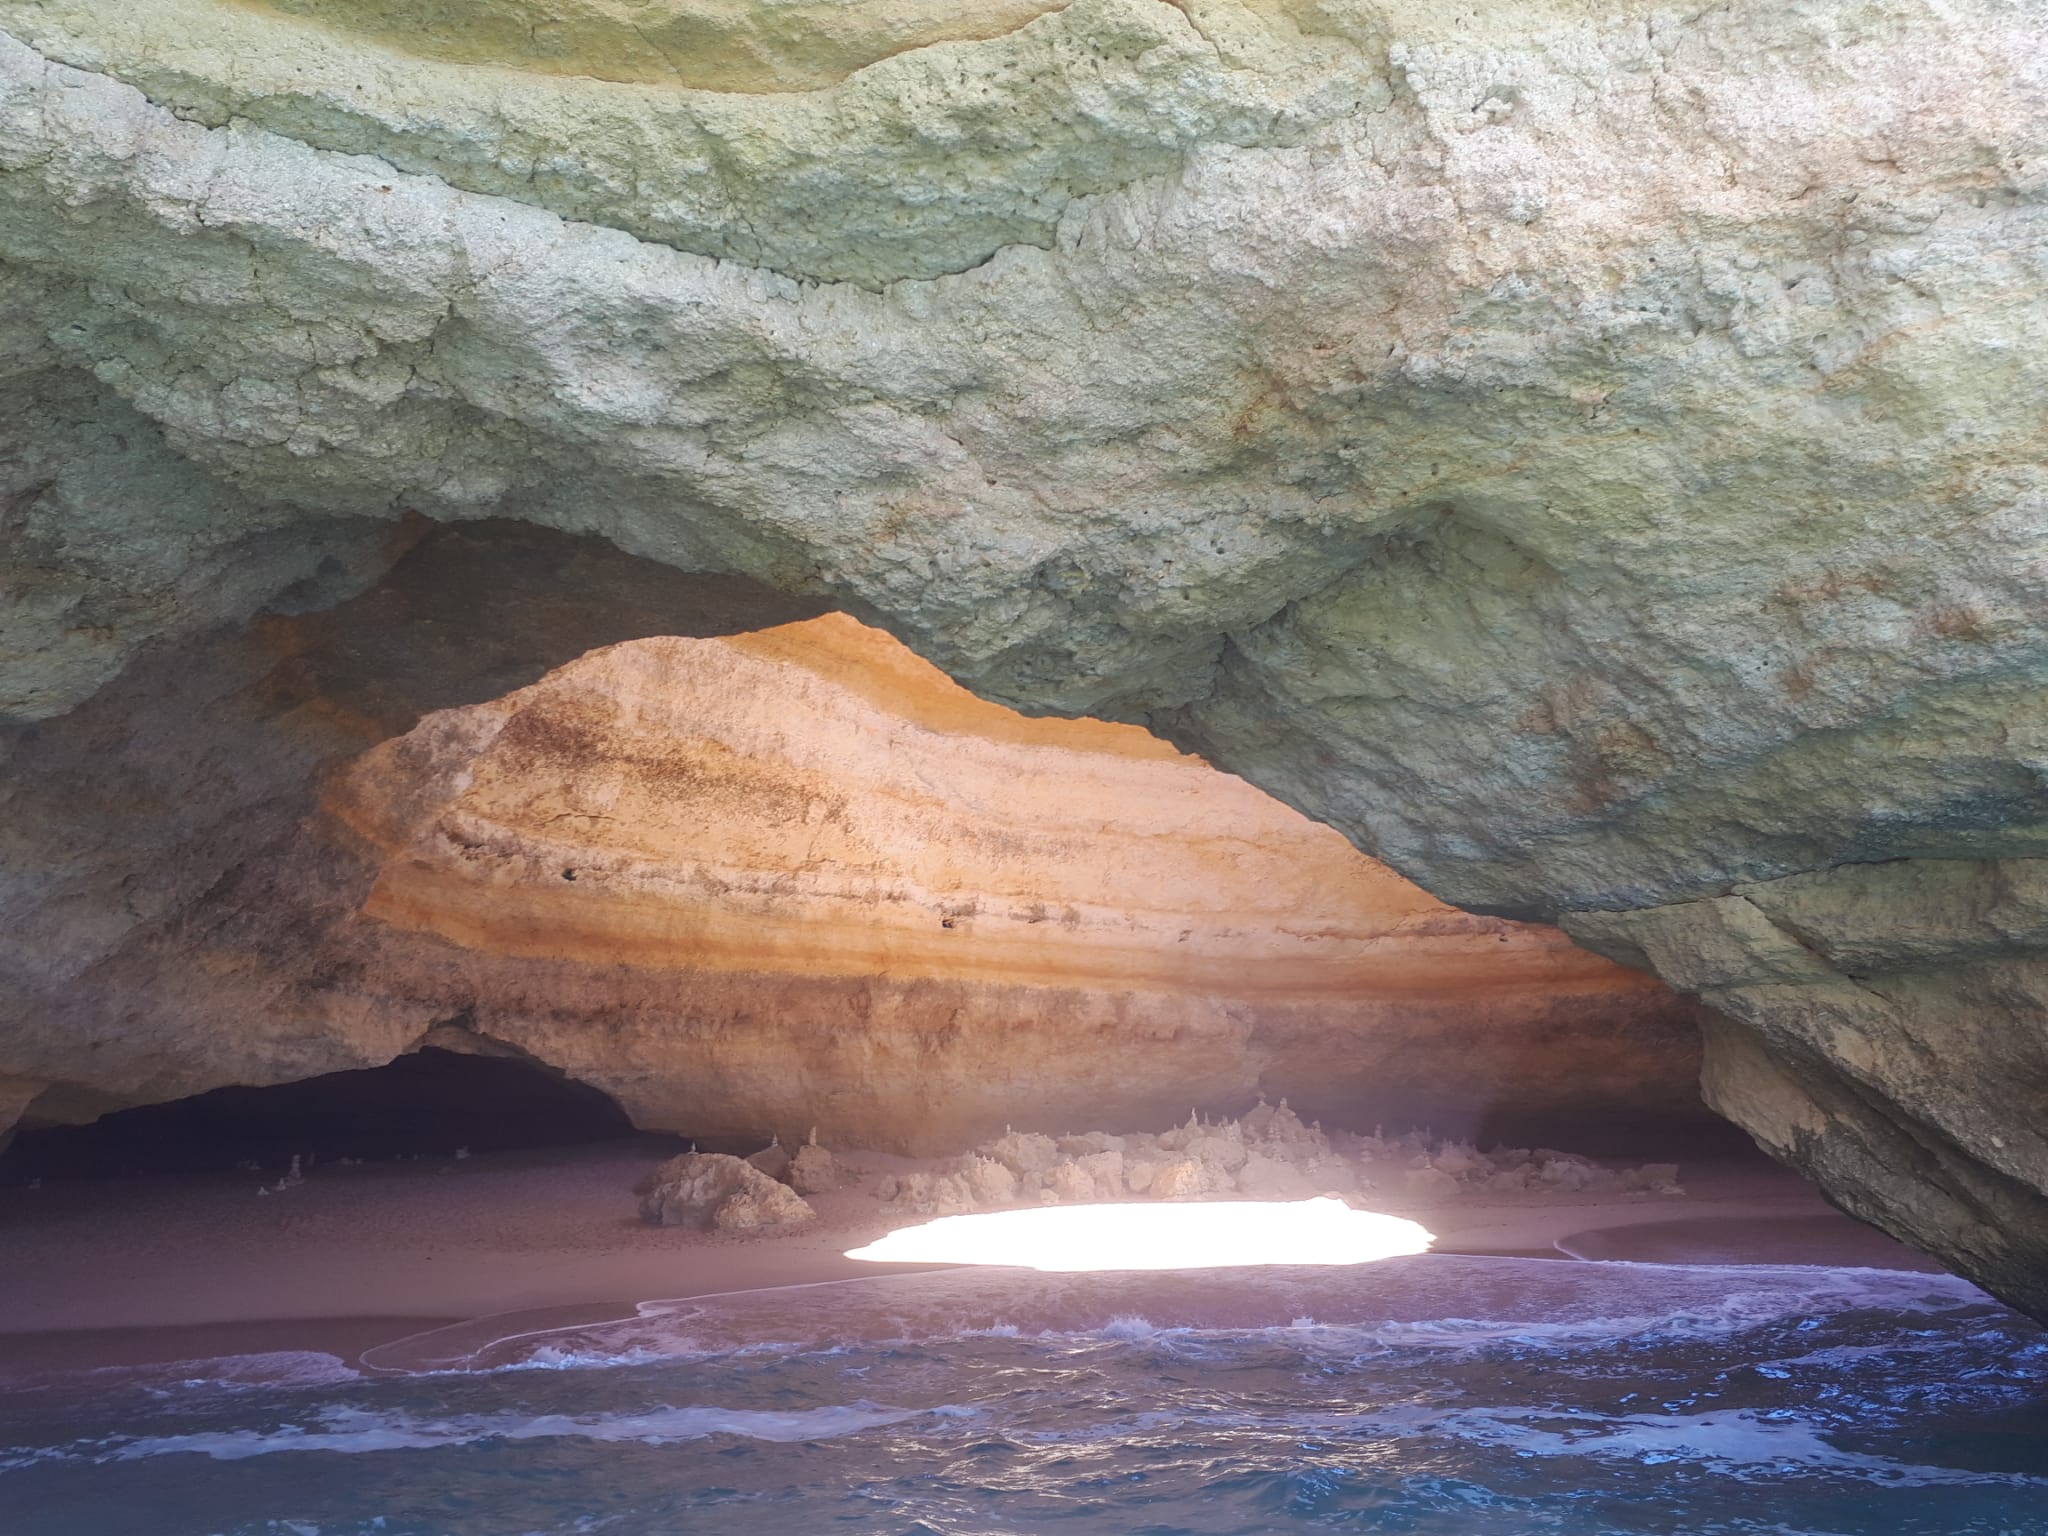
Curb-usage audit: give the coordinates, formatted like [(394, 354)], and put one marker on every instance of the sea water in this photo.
[(1430, 1395)]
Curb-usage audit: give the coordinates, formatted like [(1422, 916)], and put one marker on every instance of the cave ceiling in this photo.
[(1592, 457)]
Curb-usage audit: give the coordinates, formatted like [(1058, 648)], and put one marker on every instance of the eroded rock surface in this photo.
[(1885, 1025), (1268, 1154), (717, 1192), (799, 880), (164, 896), (1591, 456)]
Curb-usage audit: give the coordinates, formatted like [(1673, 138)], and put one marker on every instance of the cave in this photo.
[(775, 879), (428, 1103), (778, 880), (792, 622)]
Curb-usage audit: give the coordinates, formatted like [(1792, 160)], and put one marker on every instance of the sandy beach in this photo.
[(103, 1272)]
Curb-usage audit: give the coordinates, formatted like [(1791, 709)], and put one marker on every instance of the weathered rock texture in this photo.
[(164, 899), (1269, 1154), (717, 1191), (1873, 1019), (799, 878), (1592, 456)]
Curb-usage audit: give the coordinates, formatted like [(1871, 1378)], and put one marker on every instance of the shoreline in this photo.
[(159, 1270)]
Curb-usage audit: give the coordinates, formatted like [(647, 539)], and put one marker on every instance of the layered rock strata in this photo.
[(799, 879), (1590, 456), (163, 895), (1886, 1026)]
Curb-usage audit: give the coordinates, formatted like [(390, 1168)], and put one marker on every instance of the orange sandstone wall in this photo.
[(798, 877)]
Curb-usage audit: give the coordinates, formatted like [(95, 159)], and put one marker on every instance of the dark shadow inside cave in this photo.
[(429, 1103), (1659, 1136)]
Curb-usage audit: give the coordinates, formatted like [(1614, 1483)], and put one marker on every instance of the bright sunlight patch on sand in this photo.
[(1216, 1234)]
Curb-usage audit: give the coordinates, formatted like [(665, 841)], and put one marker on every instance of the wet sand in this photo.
[(167, 1268), (1827, 1238)]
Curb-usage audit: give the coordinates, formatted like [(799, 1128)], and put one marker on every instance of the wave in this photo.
[(251, 1372), (1744, 1444), (1435, 1303), (358, 1431), (1439, 1303), (1747, 1445), (1738, 1443), (1779, 1379)]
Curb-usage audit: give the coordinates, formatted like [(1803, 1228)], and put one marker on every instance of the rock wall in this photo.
[(1885, 1025), (799, 878), (163, 895), (1590, 456)]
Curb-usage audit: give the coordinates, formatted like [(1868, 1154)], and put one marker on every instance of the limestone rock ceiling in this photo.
[(713, 45), (1591, 456), (771, 145)]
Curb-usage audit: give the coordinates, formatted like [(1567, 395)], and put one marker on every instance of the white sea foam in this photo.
[(1669, 1306), (277, 1368), (1733, 1442), (355, 1431), (1736, 1443), (1499, 1302), (550, 1357), (1683, 1308), (1128, 1326), (1523, 1303)]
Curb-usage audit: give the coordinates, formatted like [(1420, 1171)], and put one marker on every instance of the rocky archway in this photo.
[(1591, 460), (769, 882)]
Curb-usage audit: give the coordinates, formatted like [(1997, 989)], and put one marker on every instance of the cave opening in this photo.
[(794, 878), (428, 1103), (754, 869)]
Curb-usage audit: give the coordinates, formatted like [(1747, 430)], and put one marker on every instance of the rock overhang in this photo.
[(1589, 457)]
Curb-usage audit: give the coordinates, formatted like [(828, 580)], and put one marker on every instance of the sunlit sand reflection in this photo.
[(1198, 1235)]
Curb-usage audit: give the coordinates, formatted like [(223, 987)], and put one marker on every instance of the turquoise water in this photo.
[(1438, 1394)]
